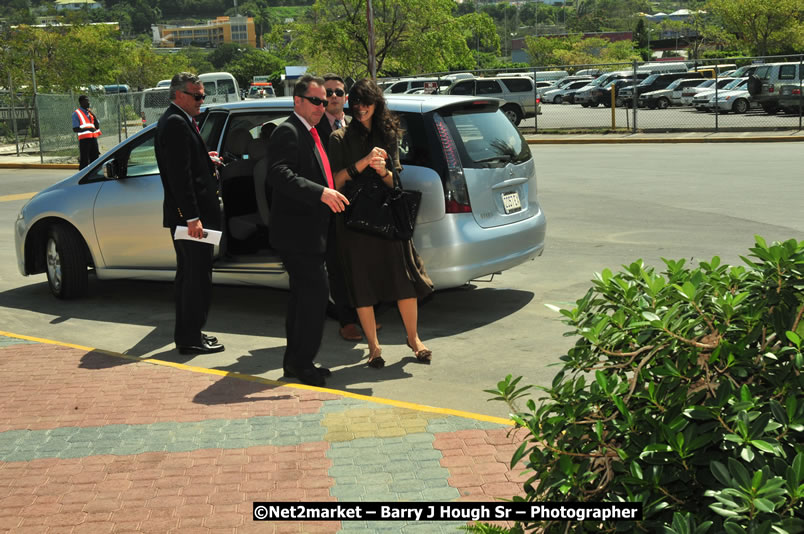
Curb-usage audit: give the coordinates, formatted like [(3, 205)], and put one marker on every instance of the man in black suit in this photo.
[(192, 200), (333, 119), (303, 198)]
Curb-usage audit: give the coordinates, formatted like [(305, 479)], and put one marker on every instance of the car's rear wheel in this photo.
[(740, 106), (513, 114), (66, 262), (663, 103), (770, 109), (557, 99), (619, 102)]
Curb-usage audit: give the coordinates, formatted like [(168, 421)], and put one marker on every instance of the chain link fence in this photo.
[(43, 123)]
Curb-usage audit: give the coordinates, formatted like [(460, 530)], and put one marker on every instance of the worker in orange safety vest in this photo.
[(86, 125)]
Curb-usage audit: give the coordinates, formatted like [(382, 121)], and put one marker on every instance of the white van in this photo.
[(664, 66), (154, 102), (220, 87), (163, 83), (549, 75)]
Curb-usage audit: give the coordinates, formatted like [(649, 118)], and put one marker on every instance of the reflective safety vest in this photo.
[(85, 124)]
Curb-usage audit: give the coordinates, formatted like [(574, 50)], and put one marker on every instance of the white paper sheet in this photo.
[(213, 237)]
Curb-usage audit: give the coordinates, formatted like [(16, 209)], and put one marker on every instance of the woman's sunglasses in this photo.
[(336, 92), (198, 96), (314, 100)]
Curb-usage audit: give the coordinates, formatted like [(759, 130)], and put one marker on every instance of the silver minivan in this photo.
[(766, 83), (480, 211)]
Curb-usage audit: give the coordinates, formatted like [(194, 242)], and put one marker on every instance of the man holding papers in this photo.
[(192, 200)]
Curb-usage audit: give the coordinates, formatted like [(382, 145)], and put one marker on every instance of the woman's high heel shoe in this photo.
[(375, 359), (423, 356)]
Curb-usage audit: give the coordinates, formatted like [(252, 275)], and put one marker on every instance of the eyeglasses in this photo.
[(336, 92), (198, 96), (314, 100)]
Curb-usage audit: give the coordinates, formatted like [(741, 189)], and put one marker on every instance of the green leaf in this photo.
[(650, 316), (764, 446), (764, 505), (798, 467), (794, 338), (747, 454), (602, 381), (740, 473), (733, 528)]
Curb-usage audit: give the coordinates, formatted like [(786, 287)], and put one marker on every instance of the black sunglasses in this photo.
[(336, 92), (198, 96), (314, 100), (358, 102)]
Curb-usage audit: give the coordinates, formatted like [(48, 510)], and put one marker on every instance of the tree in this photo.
[(575, 50), (252, 63), (765, 26), (410, 36)]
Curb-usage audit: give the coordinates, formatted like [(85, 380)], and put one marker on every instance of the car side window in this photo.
[(487, 87), (463, 88), (142, 159), (399, 87), (787, 72), (211, 128), (518, 85)]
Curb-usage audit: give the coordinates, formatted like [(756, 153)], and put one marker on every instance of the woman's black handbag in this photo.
[(381, 211)]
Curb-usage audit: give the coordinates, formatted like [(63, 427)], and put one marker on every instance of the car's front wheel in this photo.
[(663, 103), (67, 273), (513, 114), (740, 106), (557, 99)]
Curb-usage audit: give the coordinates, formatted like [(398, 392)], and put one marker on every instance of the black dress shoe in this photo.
[(310, 375), (324, 371), (212, 340), (203, 348)]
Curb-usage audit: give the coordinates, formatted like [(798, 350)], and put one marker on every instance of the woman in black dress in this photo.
[(376, 269)]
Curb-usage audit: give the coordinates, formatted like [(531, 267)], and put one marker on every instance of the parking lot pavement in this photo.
[(93, 441)]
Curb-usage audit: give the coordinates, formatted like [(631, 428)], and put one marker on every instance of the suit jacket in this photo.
[(299, 220), (188, 175), (325, 130)]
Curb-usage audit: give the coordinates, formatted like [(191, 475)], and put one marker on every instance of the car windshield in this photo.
[(486, 138), (648, 80), (706, 83), (734, 84)]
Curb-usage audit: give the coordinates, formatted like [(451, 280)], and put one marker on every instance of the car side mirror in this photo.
[(110, 170)]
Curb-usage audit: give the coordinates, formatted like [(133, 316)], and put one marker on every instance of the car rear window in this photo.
[(485, 138), (787, 72)]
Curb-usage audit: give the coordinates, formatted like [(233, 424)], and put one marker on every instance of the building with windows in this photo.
[(213, 33)]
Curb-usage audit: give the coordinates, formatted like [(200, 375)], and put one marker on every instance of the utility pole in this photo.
[(372, 59)]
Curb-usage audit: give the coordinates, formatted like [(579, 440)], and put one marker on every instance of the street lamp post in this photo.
[(372, 60)]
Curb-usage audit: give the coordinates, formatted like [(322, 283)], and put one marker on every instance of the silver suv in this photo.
[(517, 92), (479, 214), (766, 83)]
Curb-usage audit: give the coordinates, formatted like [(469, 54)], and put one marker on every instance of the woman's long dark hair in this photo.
[(383, 121)]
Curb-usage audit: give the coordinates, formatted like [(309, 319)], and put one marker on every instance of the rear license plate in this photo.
[(511, 202)]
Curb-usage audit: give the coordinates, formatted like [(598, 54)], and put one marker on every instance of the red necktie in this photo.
[(324, 158), (196, 126)]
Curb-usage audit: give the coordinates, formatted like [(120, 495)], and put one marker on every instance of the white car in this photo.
[(556, 96), (702, 101), (738, 101), (707, 85)]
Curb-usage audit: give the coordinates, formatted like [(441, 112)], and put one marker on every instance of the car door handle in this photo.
[(509, 183)]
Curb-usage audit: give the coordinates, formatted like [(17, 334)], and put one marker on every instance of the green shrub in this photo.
[(683, 392)]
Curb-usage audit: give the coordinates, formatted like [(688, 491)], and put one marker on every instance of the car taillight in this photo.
[(796, 92), (770, 89), (456, 195)]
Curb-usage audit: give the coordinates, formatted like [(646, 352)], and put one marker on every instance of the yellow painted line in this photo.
[(19, 196), (260, 380)]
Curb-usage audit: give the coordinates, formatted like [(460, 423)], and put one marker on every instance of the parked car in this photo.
[(517, 92), (556, 96), (766, 82), (671, 96), (583, 96), (602, 94), (709, 84), (479, 214), (701, 101), (409, 85), (563, 83), (735, 100), (654, 82)]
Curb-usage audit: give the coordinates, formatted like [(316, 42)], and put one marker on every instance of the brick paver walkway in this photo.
[(96, 442)]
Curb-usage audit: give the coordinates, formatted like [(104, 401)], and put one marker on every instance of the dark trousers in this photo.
[(193, 286), (337, 284), (307, 308), (87, 151)]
